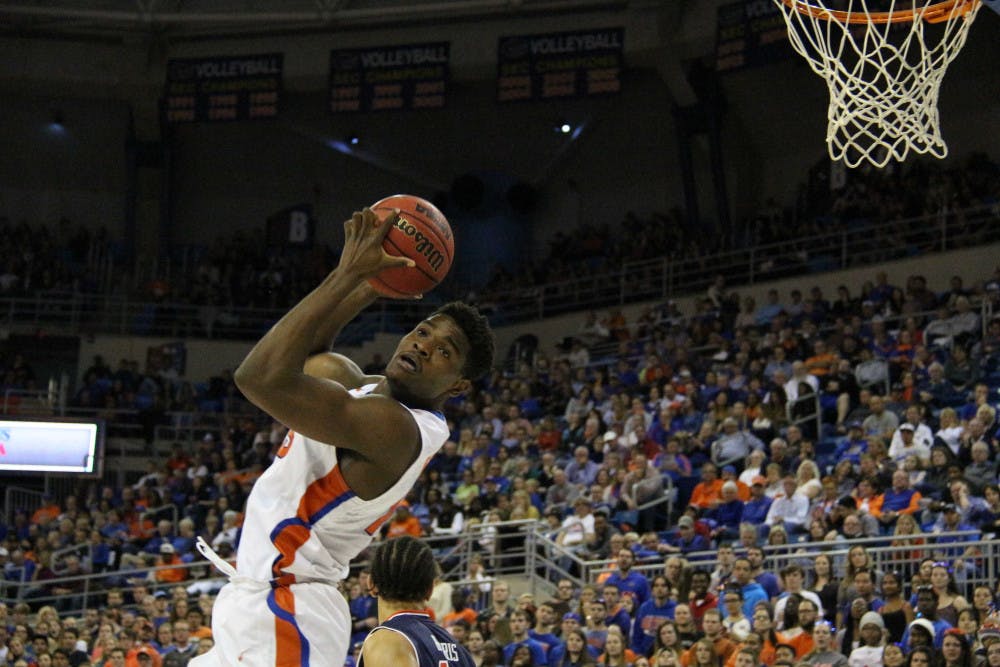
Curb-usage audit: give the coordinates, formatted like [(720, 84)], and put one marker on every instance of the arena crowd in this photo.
[(801, 421), (783, 432)]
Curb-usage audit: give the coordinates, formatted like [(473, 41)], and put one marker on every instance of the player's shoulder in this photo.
[(388, 647), (337, 367)]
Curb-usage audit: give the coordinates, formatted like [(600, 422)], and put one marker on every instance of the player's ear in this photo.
[(460, 387)]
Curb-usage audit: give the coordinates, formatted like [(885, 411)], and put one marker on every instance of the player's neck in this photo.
[(395, 390), (387, 608)]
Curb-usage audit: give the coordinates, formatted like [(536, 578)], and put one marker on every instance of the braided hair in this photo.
[(404, 570)]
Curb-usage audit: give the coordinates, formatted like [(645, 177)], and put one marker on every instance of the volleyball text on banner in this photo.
[(224, 88), (385, 78), (560, 65)]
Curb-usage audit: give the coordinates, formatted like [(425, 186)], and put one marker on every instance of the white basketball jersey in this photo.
[(304, 523)]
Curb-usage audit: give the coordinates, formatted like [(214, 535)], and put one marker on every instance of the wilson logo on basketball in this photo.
[(422, 244), (443, 228)]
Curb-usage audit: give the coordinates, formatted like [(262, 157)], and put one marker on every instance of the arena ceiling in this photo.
[(180, 19)]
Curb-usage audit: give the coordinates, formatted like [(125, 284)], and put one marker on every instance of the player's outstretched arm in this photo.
[(273, 375), (388, 649)]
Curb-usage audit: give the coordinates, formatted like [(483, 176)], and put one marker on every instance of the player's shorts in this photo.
[(255, 625)]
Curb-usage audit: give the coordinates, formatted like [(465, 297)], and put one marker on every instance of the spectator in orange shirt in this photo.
[(168, 556), (617, 324), (49, 511), (742, 490), (460, 610), (116, 658), (143, 656), (248, 476), (549, 435), (179, 459), (231, 472), (898, 499), (822, 362), (712, 649), (654, 371), (404, 523), (708, 492), (196, 619)]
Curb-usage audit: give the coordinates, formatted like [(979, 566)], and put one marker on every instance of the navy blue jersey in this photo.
[(434, 646)]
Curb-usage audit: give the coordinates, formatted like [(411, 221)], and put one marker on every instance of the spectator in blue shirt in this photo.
[(544, 625), (626, 374), (864, 600), (949, 521), (927, 603), (617, 614), (853, 445), (769, 310), (572, 648), (980, 396), (581, 470), (733, 444), (164, 535), (687, 539), (364, 610), (651, 615), (755, 509), (627, 580), (520, 637), (727, 514), (767, 579), (19, 568), (648, 548), (752, 591), (672, 462), (937, 391), (115, 528), (663, 425)]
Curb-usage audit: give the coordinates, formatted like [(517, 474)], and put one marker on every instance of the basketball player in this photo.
[(402, 577), (356, 444)]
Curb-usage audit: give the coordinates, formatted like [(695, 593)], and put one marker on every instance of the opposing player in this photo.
[(402, 576), (356, 444)]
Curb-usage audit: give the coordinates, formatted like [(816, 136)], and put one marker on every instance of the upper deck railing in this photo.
[(663, 277)]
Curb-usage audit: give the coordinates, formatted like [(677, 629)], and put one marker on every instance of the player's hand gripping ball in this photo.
[(421, 233)]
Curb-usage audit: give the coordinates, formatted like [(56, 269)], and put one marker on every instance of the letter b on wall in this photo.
[(293, 226), (299, 231)]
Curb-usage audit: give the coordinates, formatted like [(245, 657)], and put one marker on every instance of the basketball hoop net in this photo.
[(883, 69)]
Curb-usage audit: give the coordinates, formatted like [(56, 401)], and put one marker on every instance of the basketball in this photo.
[(423, 234)]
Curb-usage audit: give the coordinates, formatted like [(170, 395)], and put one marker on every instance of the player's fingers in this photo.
[(390, 221), (354, 224), (392, 261), (368, 218)]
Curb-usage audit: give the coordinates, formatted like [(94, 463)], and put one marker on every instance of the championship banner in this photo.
[(560, 65), (223, 88), (414, 76), (750, 33), (293, 227)]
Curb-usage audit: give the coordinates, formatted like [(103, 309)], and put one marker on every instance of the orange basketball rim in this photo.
[(935, 12)]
